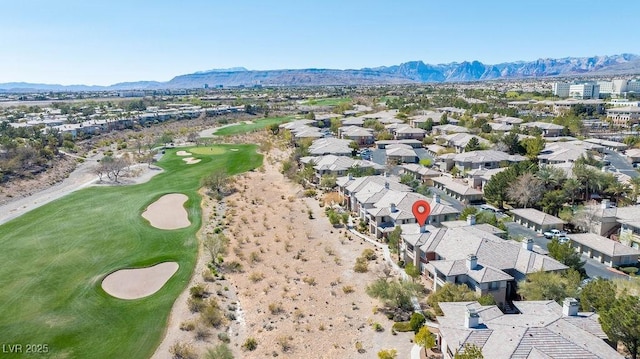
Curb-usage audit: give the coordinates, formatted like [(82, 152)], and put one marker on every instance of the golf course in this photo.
[(55, 257)]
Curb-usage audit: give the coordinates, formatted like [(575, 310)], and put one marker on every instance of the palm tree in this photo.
[(571, 186), (635, 184), (617, 189)]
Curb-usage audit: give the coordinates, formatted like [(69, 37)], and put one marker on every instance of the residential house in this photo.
[(360, 135), (448, 128), (633, 155), (350, 186), (330, 146), (458, 189), (548, 129), (612, 145), (406, 132), (604, 250), (395, 208), (459, 141), (338, 165), (399, 153), (452, 110), (419, 172), (419, 120), (500, 127), (536, 220), (478, 178), (507, 120), (540, 329), (473, 256), (562, 152), (382, 144), (353, 121), (483, 159)]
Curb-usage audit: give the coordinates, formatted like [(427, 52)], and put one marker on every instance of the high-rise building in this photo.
[(561, 89), (584, 90)]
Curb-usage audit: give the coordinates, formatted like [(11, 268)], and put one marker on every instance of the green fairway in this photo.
[(253, 126), (54, 258), (332, 101)]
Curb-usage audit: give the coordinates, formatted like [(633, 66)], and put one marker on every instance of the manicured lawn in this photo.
[(53, 259), (255, 125), (333, 101)]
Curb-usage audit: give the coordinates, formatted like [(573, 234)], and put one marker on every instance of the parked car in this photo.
[(554, 233)]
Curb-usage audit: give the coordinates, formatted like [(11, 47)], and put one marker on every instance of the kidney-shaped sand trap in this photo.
[(183, 153), (191, 160), (139, 282), (168, 212)]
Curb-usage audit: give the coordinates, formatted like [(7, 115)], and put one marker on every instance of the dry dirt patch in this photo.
[(139, 282), (168, 212)]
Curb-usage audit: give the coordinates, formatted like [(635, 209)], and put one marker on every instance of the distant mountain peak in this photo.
[(408, 72)]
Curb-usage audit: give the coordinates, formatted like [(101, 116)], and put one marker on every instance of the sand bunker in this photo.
[(191, 160), (183, 153), (139, 282), (168, 212)]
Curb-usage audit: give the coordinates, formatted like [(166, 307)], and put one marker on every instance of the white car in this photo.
[(554, 233)]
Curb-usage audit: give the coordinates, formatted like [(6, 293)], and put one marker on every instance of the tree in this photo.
[(512, 143), (450, 293), (218, 181), (114, 167), (394, 293), (617, 189), (193, 137), (216, 244), (526, 190), (388, 354), (622, 322), (635, 186), (565, 254), (412, 271), (553, 201), (495, 191), (598, 295), (472, 145), (425, 339), (469, 351), (550, 286), (533, 147), (571, 186), (328, 181), (393, 239)]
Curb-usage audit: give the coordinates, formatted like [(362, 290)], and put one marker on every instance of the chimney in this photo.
[(423, 229), (472, 319), (605, 204), (350, 176), (570, 307), (527, 244), (386, 185), (472, 261), (436, 198), (471, 219), (392, 207)]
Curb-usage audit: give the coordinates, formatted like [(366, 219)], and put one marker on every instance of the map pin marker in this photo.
[(421, 210)]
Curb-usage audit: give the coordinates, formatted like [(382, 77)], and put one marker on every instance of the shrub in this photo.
[(285, 343), (201, 332), (629, 270), (224, 337), (256, 277), (208, 275), (310, 192), (309, 280), (254, 257), (416, 322), (347, 289), (276, 308), (369, 254), (360, 347), (378, 327), (211, 314), (221, 351), (197, 291), (361, 265), (387, 354), (402, 327), (250, 344), (234, 267), (182, 351), (195, 304), (187, 325)]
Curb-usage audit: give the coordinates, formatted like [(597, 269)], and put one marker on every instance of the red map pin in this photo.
[(421, 210)]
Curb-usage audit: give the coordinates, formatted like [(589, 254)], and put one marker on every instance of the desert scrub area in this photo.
[(56, 256)]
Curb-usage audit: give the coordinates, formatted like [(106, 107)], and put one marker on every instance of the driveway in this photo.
[(620, 163)]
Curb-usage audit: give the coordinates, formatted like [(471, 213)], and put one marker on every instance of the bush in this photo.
[(361, 265), (310, 192), (285, 343), (369, 254), (348, 289), (221, 351), (195, 304), (378, 327), (197, 291), (402, 327), (416, 322), (182, 351), (250, 344), (256, 277), (224, 337), (211, 314), (629, 270), (276, 308), (187, 326)]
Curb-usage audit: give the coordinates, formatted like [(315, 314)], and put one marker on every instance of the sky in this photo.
[(102, 42)]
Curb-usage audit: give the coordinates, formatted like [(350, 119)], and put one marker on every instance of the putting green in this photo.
[(55, 257), (208, 150)]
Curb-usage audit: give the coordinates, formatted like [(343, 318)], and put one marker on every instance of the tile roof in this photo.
[(535, 216), (604, 245), (330, 145)]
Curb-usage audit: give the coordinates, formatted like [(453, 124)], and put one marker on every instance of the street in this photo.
[(620, 163)]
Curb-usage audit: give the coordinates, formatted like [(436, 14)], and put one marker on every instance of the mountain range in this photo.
[(408, 72)]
